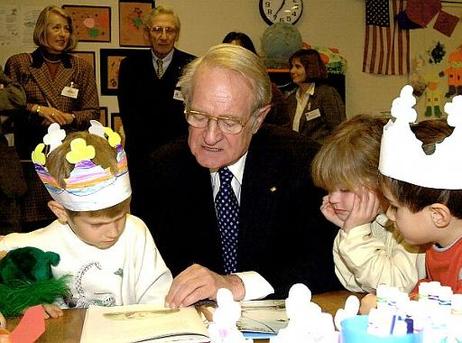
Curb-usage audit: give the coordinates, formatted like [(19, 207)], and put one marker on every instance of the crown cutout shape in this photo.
[(89, 187), (401, 154)]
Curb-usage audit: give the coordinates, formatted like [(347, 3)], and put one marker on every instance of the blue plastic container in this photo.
[(354, 330)]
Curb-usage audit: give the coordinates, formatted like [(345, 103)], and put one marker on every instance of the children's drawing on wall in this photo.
[(427, 81), (91, 23), (131, 27), (454, 73)]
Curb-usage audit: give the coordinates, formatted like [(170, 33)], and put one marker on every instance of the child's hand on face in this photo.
[(329, 212), (368, 303), (366, 207), (52, 311)]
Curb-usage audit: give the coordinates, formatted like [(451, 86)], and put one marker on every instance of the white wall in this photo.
[(330, 23)]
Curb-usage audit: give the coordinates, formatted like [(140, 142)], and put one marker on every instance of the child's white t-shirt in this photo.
[(132, 271)]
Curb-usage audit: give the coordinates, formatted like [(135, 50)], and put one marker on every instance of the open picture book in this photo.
[(143, 323), (262, 318), (259, 318)]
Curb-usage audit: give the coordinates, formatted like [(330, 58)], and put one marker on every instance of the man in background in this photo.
[(233, 205), (150, 101)]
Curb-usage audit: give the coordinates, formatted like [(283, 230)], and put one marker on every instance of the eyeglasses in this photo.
[(226, 124), (158, 30)]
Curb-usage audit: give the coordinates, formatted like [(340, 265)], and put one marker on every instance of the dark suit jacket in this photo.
[(330, 105), (283, 235), (150, 115)]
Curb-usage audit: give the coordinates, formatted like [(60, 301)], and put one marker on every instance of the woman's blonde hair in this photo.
[(350, 155), (40, 38)]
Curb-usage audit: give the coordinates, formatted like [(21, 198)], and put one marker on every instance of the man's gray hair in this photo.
[(233, 58), (148, 18)]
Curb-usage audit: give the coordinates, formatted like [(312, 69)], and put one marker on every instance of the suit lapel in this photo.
[(52, 90), (303, 117), (259, 189), (174, 68)]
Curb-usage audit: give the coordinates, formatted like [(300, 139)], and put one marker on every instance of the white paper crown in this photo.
[(401, 153), (89, 186)]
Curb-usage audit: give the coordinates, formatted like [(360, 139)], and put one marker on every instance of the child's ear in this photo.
[(59, 211), (441, 215)]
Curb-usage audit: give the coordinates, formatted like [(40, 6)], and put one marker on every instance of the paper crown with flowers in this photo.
[(89, 187), (402, 156)]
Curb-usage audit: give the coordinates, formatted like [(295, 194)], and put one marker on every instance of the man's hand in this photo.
[(52, 311), (197, 283), (366, 207)]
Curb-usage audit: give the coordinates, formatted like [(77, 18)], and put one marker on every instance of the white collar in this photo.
[(309, 91), (166, 60), (237, 168)]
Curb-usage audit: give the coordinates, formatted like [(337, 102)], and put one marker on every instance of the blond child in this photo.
[(367, 251), (109, 254)]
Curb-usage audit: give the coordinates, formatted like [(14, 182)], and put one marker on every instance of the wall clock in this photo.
[(281, 11)]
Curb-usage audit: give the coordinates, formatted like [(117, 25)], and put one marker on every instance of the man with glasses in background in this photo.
[(150, 101), (233, 205)]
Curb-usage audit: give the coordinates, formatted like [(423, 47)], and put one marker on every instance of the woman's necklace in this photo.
[(51, 58), (51, 61)]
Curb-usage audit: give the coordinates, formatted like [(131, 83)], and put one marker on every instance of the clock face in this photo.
[(281, 11)]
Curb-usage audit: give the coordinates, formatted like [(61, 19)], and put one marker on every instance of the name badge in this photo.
[(312, 114), (70, 92), (177, 95)]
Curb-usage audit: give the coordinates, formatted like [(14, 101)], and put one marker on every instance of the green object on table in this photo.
[(26, 280)]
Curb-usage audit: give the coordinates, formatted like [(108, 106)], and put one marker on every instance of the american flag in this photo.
[(386, 46)]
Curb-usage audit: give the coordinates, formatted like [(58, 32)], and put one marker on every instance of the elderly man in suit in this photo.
[(150, 101), (233, 205)]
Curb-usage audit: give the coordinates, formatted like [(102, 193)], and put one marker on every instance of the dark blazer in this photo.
[(330, 105), (283, 235), (33, 75), (150, 115)]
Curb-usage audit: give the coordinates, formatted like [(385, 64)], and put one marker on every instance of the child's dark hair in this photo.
[(416, 198)]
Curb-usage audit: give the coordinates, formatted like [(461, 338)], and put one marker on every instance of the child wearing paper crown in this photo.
[(109, 254), (421, 178), (367, 250)]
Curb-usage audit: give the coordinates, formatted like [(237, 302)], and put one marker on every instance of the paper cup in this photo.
[(354, 330)]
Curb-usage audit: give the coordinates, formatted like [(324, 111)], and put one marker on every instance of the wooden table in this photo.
[(68, 328)]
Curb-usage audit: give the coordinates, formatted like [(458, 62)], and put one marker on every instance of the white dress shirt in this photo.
[(165, 61), (302, 101)]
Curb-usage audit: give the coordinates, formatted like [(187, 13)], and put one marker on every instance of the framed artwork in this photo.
[(109, 68), (103, 116), (88, 56), (131, 27), (91, 23), (116, 126), (116, 122)]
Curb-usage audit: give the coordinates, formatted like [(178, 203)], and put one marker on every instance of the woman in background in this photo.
[(315, 108), (278, 113), (60, 88)]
